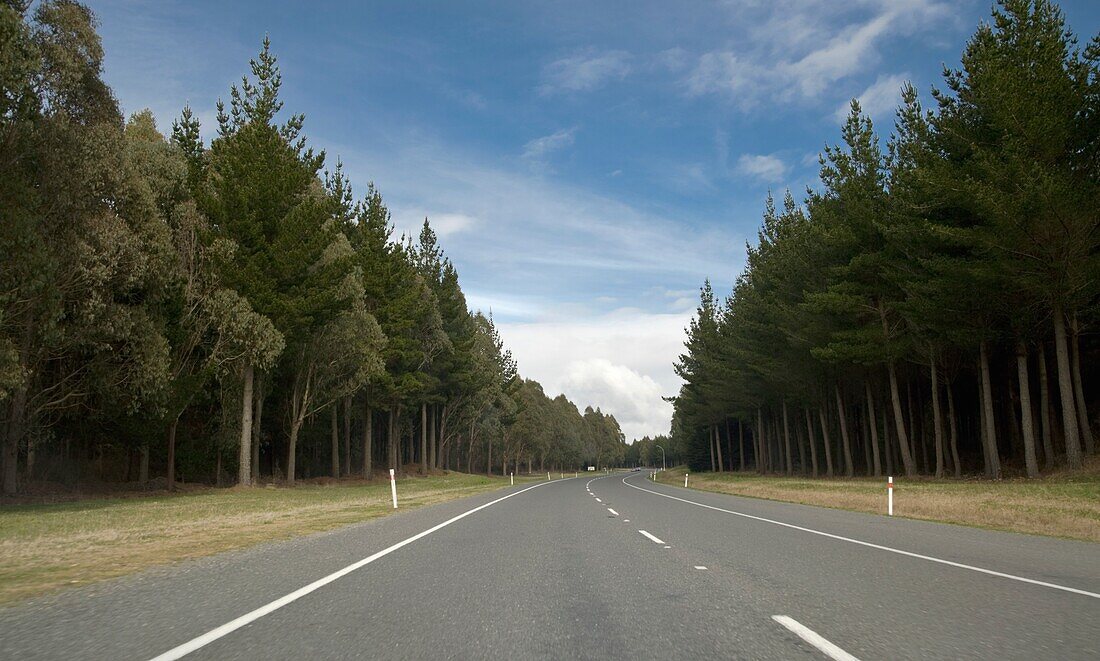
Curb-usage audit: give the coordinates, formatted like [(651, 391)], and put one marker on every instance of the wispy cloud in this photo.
[(539, 148), (775, 64), (583, 71), (877, 101), (765, 167)]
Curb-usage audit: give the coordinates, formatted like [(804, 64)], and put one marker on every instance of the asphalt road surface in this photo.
[(595, 568)]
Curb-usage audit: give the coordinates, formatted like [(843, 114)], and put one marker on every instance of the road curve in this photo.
[(595, 568)]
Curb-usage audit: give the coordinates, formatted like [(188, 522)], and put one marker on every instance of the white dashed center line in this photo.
[(808, 635), (700, 567), (651, 538), (612, 511)]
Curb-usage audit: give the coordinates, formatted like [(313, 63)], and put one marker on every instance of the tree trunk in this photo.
[(937, 426), (391, 440), (1025, 411), (718, 448), (787, 440), (873, 419), (244, 469), (801, 441), (865, 437), (1070, 424), (953, 425), (1044, 408), (347, 435), (335, 428), (172, 454), (432, 441), (987, 403), (758, 441), (849, 469), (825, 436), (899, 422), (12, 436), (292, 450), (812, 441), (710, 438), (257, 424), (368, 440), (741, 443), (1078, 388), (424, 439), (729, 443), (143, 468), (887, 446)]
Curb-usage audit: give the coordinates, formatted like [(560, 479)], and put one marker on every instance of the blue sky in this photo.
[(587, 164)]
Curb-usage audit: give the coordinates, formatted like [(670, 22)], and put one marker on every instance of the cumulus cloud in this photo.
[(879, 100), (584, 71), (764, 167), (620, 361)]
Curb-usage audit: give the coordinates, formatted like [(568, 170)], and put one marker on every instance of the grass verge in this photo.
[(45, 547), (1061, 505)]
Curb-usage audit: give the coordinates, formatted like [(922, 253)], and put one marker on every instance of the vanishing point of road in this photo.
[(594, 568)]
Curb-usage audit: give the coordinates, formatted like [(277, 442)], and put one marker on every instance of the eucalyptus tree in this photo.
[(83, 238)]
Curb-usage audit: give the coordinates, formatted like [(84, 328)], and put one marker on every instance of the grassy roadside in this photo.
[(1061, 505), (45, 547)]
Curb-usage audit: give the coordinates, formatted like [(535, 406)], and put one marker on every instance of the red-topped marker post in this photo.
[(890, 496)]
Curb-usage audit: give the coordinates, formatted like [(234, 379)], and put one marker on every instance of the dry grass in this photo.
[(44, 547), (1066, 504)]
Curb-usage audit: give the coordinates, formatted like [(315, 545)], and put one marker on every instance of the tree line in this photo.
[(201, 310), (927, 309)]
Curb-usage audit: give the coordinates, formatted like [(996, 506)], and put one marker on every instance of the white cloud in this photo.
[(620, 361), (878, 100), (764, 167), (446, 224), (537, 149), (584, 71), (802, 49)]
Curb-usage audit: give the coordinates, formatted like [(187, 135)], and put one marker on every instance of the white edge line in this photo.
[(880, 547), (231, 626), (811, 637), (612, 511), (651, 537)]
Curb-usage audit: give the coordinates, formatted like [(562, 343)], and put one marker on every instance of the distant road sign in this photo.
[(591, 468)]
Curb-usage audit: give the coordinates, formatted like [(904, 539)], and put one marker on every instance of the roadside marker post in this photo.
[(890, 496), (512, 479), (393, 488), (685, 480), (547, 476)]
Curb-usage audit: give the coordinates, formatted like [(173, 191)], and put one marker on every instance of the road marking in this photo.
[(808, 635), (626, 520), (700, 567), (651, 537), (598, 500), (612, 511), (231, 626), (880, 547), (668, 547)]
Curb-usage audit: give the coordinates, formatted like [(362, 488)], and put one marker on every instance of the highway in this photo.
[(602, 567)]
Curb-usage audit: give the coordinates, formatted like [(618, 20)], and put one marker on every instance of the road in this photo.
[(595, 568)]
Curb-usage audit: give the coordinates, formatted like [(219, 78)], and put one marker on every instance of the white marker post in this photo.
[(393, 489), (890, 496), (512, 479), (547, 476), (685, 480)]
